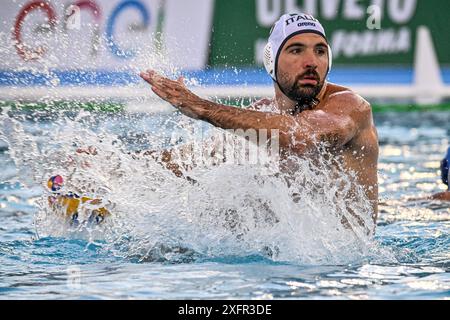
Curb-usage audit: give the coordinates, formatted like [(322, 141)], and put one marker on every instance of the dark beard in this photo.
[(305, 96), (304, 104), (304, 93)]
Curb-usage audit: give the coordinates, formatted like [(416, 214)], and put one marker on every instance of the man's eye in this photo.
[(321, 51), (296, 51)]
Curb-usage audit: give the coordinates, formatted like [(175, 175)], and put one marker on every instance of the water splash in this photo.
[(231, 209)]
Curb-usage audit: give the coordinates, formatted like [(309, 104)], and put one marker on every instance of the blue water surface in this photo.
[(411, 145)]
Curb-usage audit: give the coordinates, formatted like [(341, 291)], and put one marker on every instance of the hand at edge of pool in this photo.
[(442, 196)]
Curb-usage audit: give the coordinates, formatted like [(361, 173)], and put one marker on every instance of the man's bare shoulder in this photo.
[(344, 100)]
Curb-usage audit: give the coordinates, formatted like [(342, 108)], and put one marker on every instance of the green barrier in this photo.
[(376, 108), (55, 106), (241, 29)]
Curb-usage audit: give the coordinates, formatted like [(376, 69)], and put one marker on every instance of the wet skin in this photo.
[(342, 119)]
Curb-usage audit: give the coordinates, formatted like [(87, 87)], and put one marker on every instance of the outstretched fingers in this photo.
[(147, 76), (172, 91), (154, 78)]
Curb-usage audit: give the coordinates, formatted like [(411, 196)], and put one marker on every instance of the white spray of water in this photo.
[(231, 210)]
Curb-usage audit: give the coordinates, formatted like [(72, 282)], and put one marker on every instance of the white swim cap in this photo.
[(285, 28)]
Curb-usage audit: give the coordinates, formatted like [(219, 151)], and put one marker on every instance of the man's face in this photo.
[(302, 66)]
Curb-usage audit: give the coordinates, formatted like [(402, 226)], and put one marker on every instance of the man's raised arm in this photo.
[(297, 133)]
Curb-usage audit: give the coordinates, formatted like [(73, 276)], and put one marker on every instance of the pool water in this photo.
[(41, 259)]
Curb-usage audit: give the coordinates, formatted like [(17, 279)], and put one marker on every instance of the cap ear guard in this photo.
[(269, 60), (330, 59)]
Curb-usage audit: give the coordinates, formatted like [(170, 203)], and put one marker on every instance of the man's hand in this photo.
[(176, 93)]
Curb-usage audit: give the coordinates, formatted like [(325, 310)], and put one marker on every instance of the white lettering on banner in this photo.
[(291, 6), (353, 10), (374, 19), (309, 7), (352, 44), (267, 12), (404, 40), (330, 9), (400, 11), (403, 14), (380, 5), (385, 41), (366, 43)]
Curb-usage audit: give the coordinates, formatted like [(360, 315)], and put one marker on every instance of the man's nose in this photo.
[(310, 60)]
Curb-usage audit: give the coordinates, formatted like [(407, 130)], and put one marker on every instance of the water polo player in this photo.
[(307, 108)]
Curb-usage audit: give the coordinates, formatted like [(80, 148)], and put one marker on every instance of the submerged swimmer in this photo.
[(306, 108), (445, 169)]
